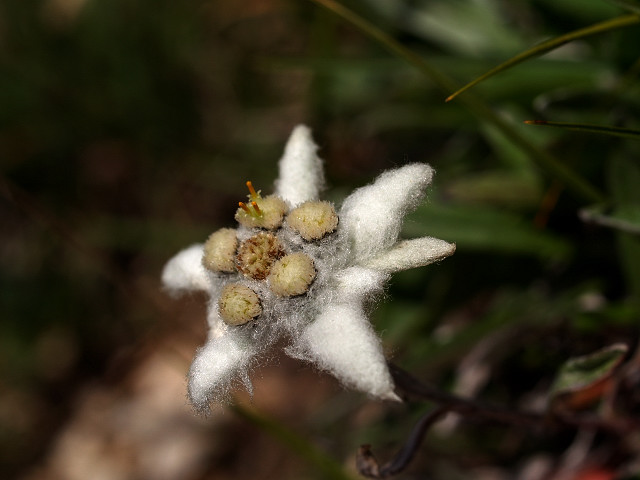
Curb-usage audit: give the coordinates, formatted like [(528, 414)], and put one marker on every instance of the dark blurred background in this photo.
[(127, 131)]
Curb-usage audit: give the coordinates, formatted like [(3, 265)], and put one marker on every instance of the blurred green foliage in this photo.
[(127, 129)]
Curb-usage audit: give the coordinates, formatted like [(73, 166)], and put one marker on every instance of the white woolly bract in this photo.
[(217, 327), (184, 272), (301, 175), (371, 216), (411, 254), (341, 341), (216, 366), (354, 284)]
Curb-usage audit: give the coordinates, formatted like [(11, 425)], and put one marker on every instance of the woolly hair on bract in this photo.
[(185, 272), (215, 367), (301, 175), (372, 216), (341, 339)]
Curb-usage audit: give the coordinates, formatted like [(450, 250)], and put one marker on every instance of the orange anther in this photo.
[(252, 191), (257, 209), (244, 207)]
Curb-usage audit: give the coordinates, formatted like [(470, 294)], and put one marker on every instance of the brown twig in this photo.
[(467, 407), (547, 421), (367, 464), (556, 419)]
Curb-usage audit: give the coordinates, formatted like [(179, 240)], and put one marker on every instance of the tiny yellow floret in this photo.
[(313, 220), (238, 304), (292, 275), (220, 251), (261, 212)]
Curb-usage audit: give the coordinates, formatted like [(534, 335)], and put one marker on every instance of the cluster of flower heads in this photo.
[(296, 268), (263, 256)]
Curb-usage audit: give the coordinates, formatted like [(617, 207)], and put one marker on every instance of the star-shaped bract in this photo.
[(327, 324)]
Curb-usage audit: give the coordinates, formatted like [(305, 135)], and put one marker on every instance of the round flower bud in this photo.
[(220, 250), (313, 220), (257, 254), (238, 304), (262, 213), (292, 275)]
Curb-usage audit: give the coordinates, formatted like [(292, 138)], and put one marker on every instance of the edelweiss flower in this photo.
[(295, 268)]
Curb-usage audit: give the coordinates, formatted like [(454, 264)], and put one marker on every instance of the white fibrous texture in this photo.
[(185, 272), (341, 341), (408, 254), (301, 175), (371, 217), (295, 268), (215, 366)]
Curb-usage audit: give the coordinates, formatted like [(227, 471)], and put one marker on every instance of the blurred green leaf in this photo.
[(580, 10), (323, 463), (624, 179), (513, 158), (631, 5), (465, 27), (475, 104), (544, 47), (582, 380), (512, 310), (538, 75), (625, 218), (496, 188), (613, 315), (485, 229), (585, 127), (401, 321), (391, 117)]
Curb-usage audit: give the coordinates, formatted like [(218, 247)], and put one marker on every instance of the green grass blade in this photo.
[(477, 106), (388, 42), (544, 47), (625, 218), (323, 463), (586, 127), (631, 5)]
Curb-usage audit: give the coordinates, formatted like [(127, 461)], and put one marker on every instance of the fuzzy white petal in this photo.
[(184, 272), (411, 254), (341, 341), (301, 177), (371, 216), (356, 283), (217, 327), (215, 366)]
